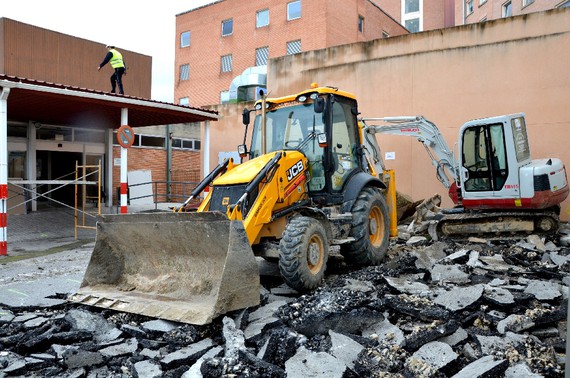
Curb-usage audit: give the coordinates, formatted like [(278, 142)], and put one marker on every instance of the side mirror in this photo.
[(319, 105), (322, 140), (242, 150), (245, 116)]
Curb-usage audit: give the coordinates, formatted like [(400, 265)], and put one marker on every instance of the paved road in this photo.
[(31, 282), (44, 257)]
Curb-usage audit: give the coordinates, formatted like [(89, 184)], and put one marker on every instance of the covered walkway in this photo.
[(64, 120)]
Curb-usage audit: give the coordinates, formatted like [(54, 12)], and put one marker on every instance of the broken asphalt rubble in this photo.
[(434, 309)]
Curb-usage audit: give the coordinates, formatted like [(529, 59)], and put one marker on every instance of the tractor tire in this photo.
[(303, 253), (370, 228)]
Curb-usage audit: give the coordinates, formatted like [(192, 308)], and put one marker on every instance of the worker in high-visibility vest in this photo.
[(119, 67)]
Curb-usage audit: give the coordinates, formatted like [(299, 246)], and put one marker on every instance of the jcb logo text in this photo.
[(294, 170)]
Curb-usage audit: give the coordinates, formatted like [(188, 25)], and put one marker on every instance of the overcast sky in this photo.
[(139, 26)]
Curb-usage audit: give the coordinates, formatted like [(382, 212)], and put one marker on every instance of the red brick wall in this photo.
[(323, 23), (185, 167)]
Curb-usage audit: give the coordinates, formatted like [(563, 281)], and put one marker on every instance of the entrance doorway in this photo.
[(57, 165)]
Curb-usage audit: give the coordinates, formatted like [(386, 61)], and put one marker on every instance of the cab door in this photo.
[(484, 161)]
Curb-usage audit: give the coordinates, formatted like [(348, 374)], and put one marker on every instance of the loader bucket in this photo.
[(186, 267)]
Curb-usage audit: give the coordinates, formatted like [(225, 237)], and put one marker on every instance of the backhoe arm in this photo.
[(426, 132)]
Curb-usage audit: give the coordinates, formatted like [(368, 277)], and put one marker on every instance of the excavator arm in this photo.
[(424, 131)]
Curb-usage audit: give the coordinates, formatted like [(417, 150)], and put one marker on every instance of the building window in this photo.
[(184, 72), (227, 27), (224, 97), (293, 10), (412, 6), (385, 34), (261, 56), (413, 25), (185, 39), (481, 2), (564, 5), (361, 24), (527, 2), (184, 101), (469, 7), (507, 9), (227, 63), (186, 144), (262, 18), (412, 15), (294, 47)]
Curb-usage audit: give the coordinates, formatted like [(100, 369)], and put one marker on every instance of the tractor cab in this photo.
[(322, 124)]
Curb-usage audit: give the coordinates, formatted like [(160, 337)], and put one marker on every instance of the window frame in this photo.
[(184, 101), (526, 3), (229, 21), (182, 44), (504, 8), (261, 11), (470, 7), (361, 23), (184, 72), (411, 16), (257, 51), (289, 4), (290, 43), (231, 64)]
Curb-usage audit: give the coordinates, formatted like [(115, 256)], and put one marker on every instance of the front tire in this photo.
[(370, 228), (303, 253)]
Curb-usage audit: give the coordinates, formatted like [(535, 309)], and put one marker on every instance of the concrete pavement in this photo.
[(45, 261)]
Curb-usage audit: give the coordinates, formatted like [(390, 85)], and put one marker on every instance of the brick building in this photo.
[(486, 10), (222, 49), (218, 42)]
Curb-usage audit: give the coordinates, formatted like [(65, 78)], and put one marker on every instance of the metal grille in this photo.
[(222, 196), (541, 183), (184, 72), (227, 63), (294, 47), (261, 56)]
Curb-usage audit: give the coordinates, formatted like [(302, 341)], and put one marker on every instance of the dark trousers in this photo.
[(116, 78)]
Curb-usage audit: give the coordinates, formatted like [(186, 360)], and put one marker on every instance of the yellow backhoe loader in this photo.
[(305, 185)]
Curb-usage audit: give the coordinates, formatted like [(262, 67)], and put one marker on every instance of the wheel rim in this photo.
[(315, 254), (375, 226)]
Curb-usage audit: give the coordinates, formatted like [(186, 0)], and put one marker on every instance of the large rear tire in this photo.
[(370, 228), (303, 253)]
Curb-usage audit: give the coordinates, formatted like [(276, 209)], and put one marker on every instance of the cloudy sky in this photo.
[(143, 27)]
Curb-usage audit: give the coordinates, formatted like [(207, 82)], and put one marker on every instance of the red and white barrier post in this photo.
[(4, 171)]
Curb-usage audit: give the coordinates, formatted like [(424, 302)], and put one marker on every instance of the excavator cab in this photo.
[(498, 172)]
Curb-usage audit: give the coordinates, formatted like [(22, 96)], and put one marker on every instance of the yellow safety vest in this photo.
[(117, 59)]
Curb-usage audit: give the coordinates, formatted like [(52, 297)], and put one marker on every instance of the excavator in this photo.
[(304, 185), (497, 189)]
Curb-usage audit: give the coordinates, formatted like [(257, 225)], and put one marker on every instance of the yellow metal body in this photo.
[(285, 186)]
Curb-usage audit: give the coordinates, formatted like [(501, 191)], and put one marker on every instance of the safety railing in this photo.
[(178, 192)]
